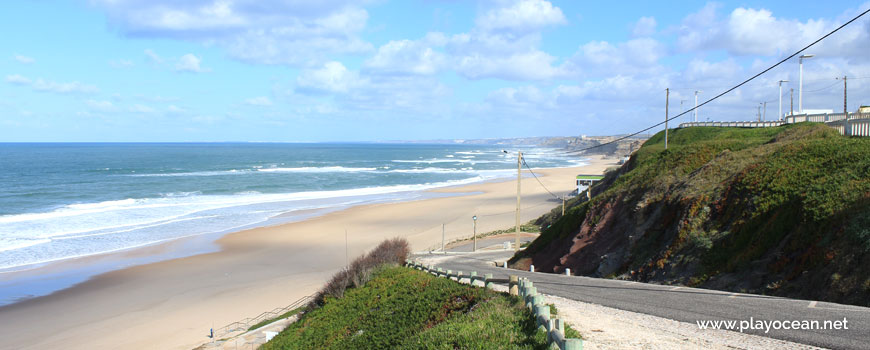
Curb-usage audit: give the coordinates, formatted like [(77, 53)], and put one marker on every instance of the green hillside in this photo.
[(778, 211), (402, 308)]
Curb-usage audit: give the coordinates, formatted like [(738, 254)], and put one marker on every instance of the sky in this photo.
[(335, 70)]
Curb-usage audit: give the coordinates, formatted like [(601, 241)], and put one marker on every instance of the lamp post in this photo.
[(780, 97), (801, 82), (474, 232)]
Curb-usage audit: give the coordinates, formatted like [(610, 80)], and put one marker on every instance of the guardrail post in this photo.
[(459, 276), (573, 344), (567, 271), (532, 268), (513, 289), (487, 281), (472, 278)]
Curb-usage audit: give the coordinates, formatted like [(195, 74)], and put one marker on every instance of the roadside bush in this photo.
[(389, 252)]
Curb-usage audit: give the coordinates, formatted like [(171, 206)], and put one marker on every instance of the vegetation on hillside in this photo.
[(402, 308), (770, 210)]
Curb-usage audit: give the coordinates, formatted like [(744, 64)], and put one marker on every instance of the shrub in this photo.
[(389, 252)]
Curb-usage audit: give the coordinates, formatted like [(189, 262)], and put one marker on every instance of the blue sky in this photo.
[(334, 70)]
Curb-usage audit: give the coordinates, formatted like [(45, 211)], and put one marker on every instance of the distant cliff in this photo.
[(780, 211), (619, 148)]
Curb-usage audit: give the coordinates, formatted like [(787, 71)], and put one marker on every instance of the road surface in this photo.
[(688, 304)]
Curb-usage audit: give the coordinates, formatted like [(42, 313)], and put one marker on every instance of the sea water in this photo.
[(66, 201)]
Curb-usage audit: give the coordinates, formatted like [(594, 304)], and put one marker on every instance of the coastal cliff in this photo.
[(780, 211)]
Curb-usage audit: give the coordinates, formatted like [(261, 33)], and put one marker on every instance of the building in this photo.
[(586, 181)]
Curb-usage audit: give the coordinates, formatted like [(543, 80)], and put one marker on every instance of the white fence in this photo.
[(856, 124)]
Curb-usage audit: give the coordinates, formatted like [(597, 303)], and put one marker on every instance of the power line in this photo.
[(539, 180), (825, 88), (734, 87)]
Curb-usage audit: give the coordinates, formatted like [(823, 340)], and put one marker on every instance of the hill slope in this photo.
[(401, 308), (781, 211)]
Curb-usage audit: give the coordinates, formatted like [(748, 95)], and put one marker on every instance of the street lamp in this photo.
[(780, 97), (801, 82), (474, 232)]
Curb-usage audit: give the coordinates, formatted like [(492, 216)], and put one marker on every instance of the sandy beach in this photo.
[(172, 304)]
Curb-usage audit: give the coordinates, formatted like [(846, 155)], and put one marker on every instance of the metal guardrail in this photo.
[(244, 324), (554, 327)]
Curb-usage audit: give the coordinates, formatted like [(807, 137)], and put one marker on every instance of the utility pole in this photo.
[(845, 108), (780, 98), (791, 96), (519, 191), (758, 114), (667, 99), (764, 115), (563, 206)]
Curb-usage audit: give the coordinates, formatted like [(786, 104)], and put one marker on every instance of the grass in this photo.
[(790, 202), (402, 308)]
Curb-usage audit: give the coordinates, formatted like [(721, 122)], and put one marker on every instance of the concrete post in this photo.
[(567, 272), (487, 281), (573, 344), (532, 268), (513, 287), (560, 325)]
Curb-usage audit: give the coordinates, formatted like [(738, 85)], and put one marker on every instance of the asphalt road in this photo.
[(689, 304)]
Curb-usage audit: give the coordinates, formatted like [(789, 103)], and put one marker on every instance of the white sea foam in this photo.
[(96, 228), (325, 169)]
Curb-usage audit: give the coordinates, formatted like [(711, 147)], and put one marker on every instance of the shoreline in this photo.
[(173, 303)]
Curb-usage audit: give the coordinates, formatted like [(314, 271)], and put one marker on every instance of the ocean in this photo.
[(65, 201)]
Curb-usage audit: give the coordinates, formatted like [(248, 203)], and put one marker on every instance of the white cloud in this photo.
[(17, 79), (121, 63), (101, 105), (23, 59), (294, 32), (175, 109), (259, 101), (138, 108), (532, 65), (635, 56), (153, 57), (524, 96), (51, 86), (409, 57), (332, 77), (190, 63), (645, 26), (749, 31), (523, 15)]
